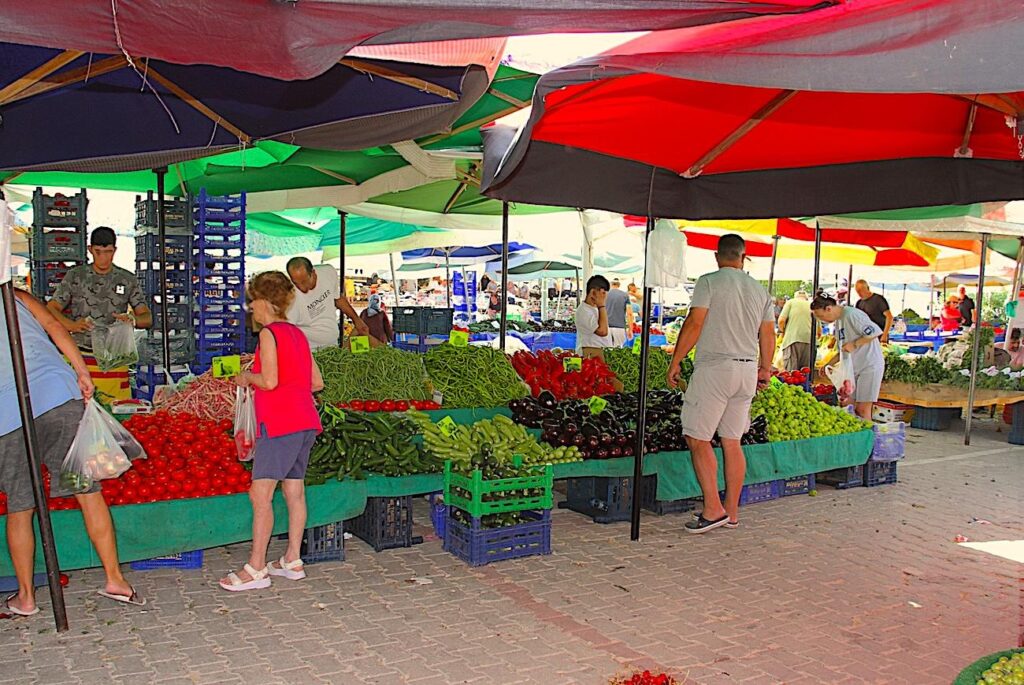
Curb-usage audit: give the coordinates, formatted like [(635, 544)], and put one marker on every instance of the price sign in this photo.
[(227, 366), (636, 345), (597, 404), (447, 426), (572, 364), (458, 338), (360, 344)]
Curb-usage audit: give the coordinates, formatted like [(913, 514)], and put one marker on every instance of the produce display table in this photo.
[(937, 404), (148, 530)]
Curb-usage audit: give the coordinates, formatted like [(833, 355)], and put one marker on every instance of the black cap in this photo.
[(103, 236)]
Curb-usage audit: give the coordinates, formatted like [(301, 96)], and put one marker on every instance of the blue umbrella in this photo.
[(463, 255), (64, 110)]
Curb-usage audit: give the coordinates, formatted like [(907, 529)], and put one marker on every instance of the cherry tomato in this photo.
[(357, 405)]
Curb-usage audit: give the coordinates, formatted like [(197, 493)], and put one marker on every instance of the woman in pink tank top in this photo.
[(284, 377)]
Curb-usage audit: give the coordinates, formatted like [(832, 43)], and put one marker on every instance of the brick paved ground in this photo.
[(846, 587)]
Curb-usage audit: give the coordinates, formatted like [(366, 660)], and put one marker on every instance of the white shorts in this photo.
[(718, 398), (618, 336), (867, 384)]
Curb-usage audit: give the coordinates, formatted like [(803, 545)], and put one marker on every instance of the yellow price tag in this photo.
[(227, 366), (458, 338), (447, 426), (360, 344), (637, 342), (597, 404), (572, 364)]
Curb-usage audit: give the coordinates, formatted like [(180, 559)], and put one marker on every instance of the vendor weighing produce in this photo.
[(858, 337), (100, 294), (317, 295)]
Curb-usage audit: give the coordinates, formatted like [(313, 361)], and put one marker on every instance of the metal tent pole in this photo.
[(577, 287), (771, 269), (394, 279), (814, 321), (849, 286), (641, 415), (504, 277), (28, 431), (447, 277), (976, 347), (161, 227), (342, 226), (1018, 272)]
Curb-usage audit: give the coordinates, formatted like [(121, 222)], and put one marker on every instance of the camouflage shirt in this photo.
[(86, 294)]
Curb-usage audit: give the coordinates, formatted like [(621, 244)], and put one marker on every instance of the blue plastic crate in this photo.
[(178, 248), (478, 546), (59, 211), (324, 543), (438, 514), (179, 316), (603, 498), (879, 473), (179, 282), (798, 485), (890, 441), (46, 276), (184, 560), (10, 583), (841, 479), (760, 492), (1016, 436), (386, 523), (650, 502), (933, 419), (176, 214), (58, 244)]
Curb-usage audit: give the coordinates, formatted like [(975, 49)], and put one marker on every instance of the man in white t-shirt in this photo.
[(592, 334), (317, 295)]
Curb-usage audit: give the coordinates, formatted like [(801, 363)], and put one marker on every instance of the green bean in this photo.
[(473, 376), (380, 374)]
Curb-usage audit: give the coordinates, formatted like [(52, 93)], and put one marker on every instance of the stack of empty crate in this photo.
[(219, 277), (58, 239), (178, 308)]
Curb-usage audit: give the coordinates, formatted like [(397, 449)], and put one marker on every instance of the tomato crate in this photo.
[(468, 493), (649, 501), (602, 498), (177, 248), (478, 546), (841, 479), (890, 441), (408, 320), (933, 419), (59, 211), (323, 543), (46, 276), (386, 523), (189, 561), (179, 316), (879, 473), (798, 485), (58, 245), (761, 492), (176, 214)]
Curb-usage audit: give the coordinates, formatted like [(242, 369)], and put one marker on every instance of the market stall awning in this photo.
[(781, 116), (464, 254), (302, 39), (64, 110), (972, 280)]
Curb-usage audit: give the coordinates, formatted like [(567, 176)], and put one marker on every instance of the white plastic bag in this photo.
[(666, 256), (114, 346), (102, 449), (841, 375), (245, 424)]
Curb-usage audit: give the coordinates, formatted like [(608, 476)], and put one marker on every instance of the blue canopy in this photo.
[(466, 253), (66, 111)]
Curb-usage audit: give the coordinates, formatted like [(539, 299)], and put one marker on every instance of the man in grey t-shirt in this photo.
[(732, 323), (620, 315)]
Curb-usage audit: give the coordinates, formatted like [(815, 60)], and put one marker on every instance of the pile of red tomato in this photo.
[(798, 377), (389, 405), (546, 370)]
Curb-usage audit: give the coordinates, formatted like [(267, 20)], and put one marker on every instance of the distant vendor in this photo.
[(317, 296), (592, 332), (100, 294)]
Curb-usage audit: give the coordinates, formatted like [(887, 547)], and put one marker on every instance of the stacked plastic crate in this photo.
[(219, 277), (58, 238), (178, 308)]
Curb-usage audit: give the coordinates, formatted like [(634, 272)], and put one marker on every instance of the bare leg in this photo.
[(705, 465), (21, 541), (863, 410), (735, 472), (295, 497), (101, 532), (261, 494)]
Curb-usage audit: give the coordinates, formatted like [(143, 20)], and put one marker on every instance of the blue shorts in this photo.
[(284, 457)]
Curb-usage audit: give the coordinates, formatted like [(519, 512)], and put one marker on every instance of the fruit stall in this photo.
[(387, 436)]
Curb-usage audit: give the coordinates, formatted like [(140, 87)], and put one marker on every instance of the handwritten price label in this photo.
[(637, 342), (447, 426), (572, 364), (360, 344), (458, 338), (227, 366), (597, 404)]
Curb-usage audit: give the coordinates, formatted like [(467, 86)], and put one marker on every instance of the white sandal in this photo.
[(260, 580), (287, 569)]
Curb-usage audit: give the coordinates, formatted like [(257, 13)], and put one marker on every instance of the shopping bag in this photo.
[(245, 424), (114, 346), (841, 375), (102, 449), (778, 361)]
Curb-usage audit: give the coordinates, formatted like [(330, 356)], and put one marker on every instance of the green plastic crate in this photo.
[(477, 487)]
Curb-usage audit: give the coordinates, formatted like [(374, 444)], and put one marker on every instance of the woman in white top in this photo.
[(857, 336)]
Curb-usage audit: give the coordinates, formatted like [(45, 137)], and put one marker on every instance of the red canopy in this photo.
[(291, 39), (621, 131)]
